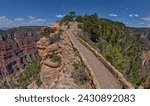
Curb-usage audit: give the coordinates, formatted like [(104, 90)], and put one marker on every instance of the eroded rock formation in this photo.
[(61, 63)]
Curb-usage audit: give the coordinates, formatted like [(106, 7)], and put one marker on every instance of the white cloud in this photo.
[(146, 18), (19, 19), (130, 15), (124, 7), (113, 15), (31, 17), (141, 23), (148, 24), (144, 25), (133, 15), (59, 16), (136, 15), (40, 20), (4, 19), (36, 20), (31, 21), (146, 21)]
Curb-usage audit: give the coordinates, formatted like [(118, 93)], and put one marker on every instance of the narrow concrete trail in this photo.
[(104, 76)]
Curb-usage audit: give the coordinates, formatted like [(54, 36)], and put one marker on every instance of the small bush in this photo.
[(38, 80), (60, 31), (30, 74), (54, 37), (68, 26), (79, 75), (56, 58)]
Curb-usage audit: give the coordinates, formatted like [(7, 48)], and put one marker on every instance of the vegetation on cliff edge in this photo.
[(30, 74), (115, 42)]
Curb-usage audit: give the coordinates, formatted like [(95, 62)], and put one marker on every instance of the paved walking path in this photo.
[(104, 76)]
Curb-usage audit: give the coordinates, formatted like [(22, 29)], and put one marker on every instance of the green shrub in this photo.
[(115, 42), (79, 74), (60, 31), (30, 74), (56, 58)]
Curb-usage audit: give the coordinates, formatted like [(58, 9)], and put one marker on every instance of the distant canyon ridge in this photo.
[(17, 49)]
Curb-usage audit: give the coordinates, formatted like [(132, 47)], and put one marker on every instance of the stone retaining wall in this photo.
[(112, 69)]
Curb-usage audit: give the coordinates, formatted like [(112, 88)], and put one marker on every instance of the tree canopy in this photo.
[(115, 42)]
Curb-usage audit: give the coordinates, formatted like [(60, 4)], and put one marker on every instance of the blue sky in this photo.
[(135, 13)]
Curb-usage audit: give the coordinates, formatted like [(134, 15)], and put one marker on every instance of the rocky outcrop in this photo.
[(145, 57), (146, 68), (60, 62)]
